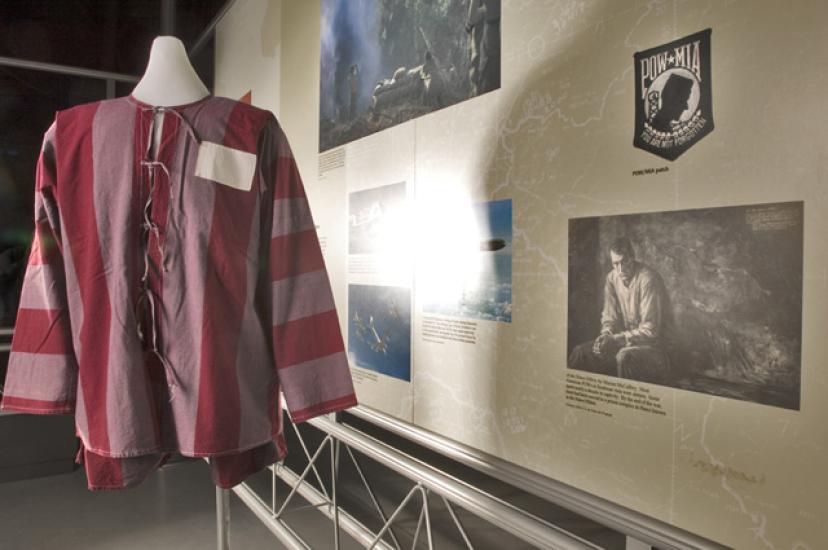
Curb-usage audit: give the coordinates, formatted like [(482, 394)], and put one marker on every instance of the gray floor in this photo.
[(174, 509)]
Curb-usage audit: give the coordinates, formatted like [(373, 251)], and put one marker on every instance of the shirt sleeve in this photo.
[(650, 310), (610, 320), (308, 349), (42, 370)]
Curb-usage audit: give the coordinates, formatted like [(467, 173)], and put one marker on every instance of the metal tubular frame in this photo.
[(377, 508), (308, 457), (222, 518), (495, 511), (427, 480), (168, 17), (210, 30), (348, 523), (457, 523), (273, 519), (614, 516), (282, 532), (65, 69)]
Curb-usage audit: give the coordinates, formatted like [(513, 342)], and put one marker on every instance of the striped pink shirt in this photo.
[(170, 295)]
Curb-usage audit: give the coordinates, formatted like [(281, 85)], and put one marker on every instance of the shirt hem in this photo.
[(187, 453), (128, 485), (333, 405), (42, 412), (55, 410), (207, 454)]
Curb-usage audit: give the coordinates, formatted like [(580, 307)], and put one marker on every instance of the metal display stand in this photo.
[(428, 481), (633, 524)]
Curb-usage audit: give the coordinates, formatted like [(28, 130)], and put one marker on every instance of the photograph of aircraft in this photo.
[(367, 333), (379, 329), (372, 214)]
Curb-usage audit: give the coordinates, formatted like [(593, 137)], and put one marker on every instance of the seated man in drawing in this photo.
[(635, 322)]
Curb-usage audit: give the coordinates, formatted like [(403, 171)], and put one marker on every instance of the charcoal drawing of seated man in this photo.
[(636, 323)]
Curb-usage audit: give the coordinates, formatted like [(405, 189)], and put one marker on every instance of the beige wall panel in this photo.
[(248, 52), (557, 140)]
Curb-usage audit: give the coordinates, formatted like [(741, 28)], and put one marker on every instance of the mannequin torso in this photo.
[(169, 79)]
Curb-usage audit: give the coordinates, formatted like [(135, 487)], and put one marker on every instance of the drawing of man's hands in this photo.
[(608, 344), (601, 343)]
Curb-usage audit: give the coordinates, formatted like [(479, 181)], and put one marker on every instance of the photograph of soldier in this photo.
[(483, 27), (706, 300), (353, 85), (384, 62), (636, 322)]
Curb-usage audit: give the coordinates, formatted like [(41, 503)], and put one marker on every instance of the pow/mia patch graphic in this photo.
[(673, 108)]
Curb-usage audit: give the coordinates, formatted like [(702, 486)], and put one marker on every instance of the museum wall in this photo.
[(469, 246), (247, 53)]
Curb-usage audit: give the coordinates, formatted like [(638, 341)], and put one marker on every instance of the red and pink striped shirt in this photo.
[(173, 291)]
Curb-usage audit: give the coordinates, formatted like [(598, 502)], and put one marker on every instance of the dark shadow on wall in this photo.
[(546, 131)]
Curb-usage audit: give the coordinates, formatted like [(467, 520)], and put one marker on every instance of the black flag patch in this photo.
[(673, 106)]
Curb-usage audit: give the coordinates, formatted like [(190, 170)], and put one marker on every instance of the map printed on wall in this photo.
[(629, 317), (384, 62), (706, 300), (673, 105)]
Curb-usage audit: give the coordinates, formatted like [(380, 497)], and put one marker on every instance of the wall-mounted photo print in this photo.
[(485, 288), (375, 218), (384, 62), (379, 329), (705, 300), (673, 97)]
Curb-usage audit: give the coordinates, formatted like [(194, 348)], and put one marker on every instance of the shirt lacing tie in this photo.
[(146, 298)]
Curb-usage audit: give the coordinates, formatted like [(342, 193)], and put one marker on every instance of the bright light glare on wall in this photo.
[(448, 244), (393, 232)]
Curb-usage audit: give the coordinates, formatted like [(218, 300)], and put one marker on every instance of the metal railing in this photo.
[(65, 69), (428, 483), (634, 524)]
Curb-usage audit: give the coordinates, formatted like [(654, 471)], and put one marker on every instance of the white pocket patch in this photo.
[(225, 165)]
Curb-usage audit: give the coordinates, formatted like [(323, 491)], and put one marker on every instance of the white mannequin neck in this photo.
[(170, 78)]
